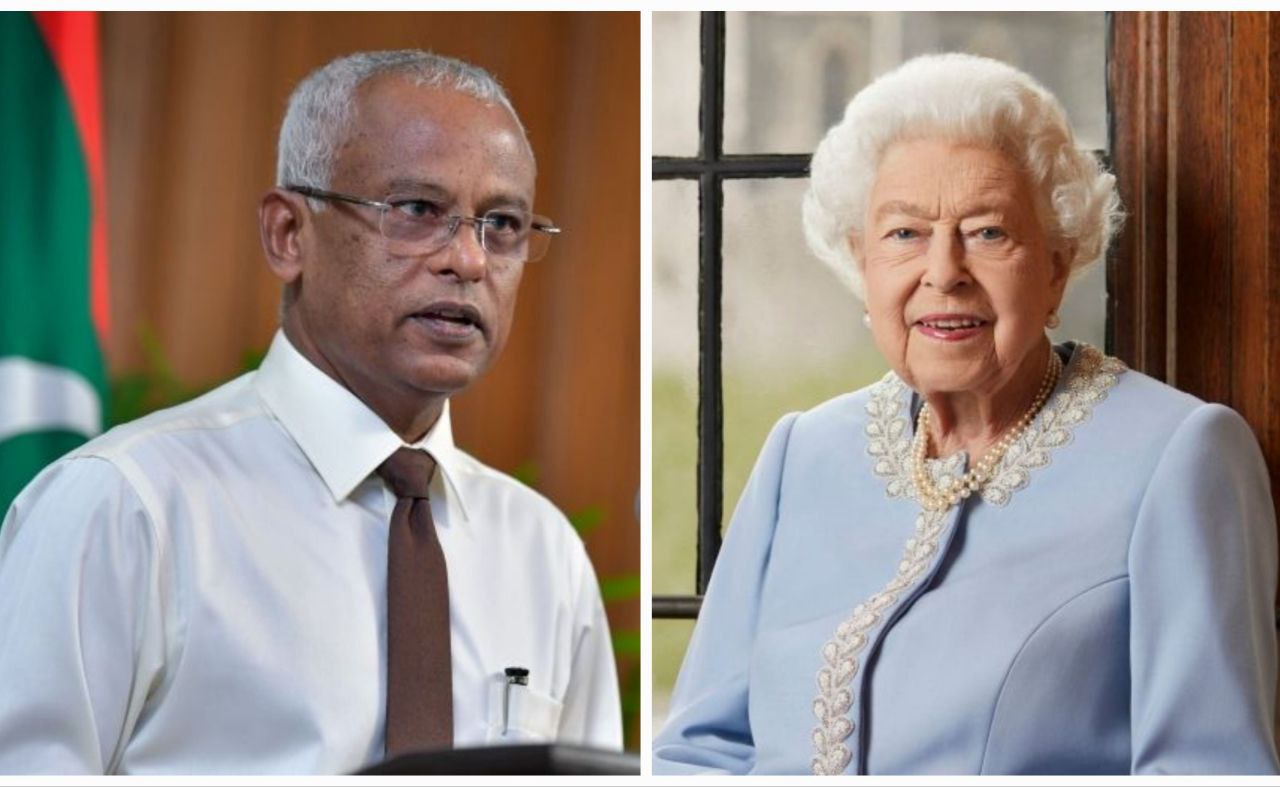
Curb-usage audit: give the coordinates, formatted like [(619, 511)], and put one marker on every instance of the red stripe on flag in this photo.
[(72, 38)]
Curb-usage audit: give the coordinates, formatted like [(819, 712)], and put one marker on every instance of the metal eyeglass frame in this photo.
[(536, 223)]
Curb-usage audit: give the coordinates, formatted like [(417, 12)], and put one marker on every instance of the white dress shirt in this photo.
[(204, 591)]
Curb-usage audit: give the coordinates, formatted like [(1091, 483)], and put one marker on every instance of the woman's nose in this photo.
[(945, 268)]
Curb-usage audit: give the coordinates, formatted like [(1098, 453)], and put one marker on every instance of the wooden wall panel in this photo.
[(1138, 108), (1196, 148), (1200, 119), (1255, 226), (580, 357), (193, 104)]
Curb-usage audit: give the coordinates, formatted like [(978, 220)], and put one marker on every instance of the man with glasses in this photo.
[(300, 572)]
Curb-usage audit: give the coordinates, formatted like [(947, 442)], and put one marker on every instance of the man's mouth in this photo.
[(450, 321)]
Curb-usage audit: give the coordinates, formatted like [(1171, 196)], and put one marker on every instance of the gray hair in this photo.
[(321, 109), (967, 99)]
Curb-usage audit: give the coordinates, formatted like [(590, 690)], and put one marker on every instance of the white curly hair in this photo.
[(968, 99)]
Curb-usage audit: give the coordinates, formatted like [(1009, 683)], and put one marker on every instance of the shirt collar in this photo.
[(343, 439)]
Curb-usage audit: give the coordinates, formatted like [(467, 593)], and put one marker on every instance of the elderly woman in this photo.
[(1005, 556)]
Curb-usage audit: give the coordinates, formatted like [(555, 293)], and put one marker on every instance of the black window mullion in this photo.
[(763, 165), (710, 384), (710, 391)]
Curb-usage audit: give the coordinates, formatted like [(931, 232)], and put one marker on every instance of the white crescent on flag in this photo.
[(39, 397)]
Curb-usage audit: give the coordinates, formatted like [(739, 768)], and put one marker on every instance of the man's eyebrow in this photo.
[(504, 200), (415, 186)]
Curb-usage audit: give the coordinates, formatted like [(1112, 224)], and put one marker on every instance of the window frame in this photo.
[(711, 168)]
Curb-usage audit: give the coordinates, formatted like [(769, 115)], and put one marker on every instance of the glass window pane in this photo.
[(675, 420), (784, 73), (676, 67), (788, 76), (1084, 309), (793, 335), (675, 384)]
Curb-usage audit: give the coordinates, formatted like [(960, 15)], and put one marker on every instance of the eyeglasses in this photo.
[(423, 225)]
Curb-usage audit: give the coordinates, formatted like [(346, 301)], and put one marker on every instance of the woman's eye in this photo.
[(990, 233), (418, 208), (903, 233)]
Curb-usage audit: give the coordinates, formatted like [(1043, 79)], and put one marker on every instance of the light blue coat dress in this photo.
[(1106, 606)]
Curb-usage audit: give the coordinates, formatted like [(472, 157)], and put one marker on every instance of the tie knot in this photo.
[(408, 472)]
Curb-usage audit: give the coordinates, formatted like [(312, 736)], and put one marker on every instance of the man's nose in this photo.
[(463, 256), (945, 268)]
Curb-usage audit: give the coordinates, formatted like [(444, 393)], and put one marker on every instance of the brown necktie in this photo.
[(419, 669)]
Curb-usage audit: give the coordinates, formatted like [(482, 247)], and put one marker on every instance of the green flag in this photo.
[(53, 295)]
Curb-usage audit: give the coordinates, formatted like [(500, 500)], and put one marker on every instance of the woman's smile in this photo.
[(951, 327)]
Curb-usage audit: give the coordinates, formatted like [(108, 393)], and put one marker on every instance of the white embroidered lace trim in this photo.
[(888, 434)]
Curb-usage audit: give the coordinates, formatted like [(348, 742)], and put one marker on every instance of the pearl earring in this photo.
[(1053, 322), (866, 319)]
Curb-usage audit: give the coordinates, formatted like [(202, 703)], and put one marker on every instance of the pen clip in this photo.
[(516, 676)]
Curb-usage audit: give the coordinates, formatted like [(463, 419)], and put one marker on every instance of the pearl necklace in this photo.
[(933, 499)]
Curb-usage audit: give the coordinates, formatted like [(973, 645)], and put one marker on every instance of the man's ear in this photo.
[(280, 220)]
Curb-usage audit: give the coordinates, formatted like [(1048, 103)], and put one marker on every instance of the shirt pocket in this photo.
[(520, 714)]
